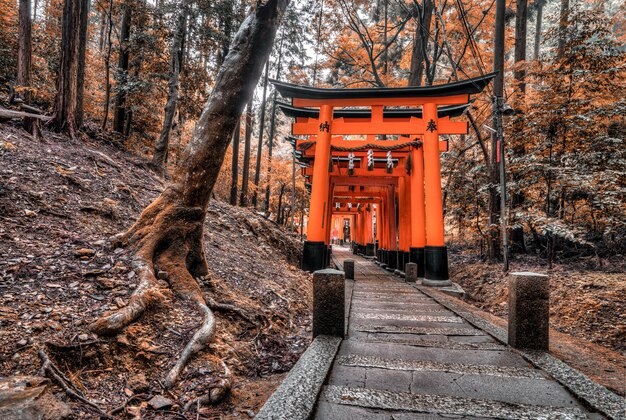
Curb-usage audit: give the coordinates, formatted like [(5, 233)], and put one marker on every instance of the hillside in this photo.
[(60, 200)]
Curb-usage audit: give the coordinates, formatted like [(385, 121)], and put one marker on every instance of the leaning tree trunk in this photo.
[(160, 151), (168, 233), (68, 102)]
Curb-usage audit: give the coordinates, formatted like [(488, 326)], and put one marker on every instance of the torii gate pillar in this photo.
[(435, 252), (314, 252)]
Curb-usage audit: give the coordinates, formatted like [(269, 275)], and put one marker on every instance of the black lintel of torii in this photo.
[(296, 112), (469, 86)]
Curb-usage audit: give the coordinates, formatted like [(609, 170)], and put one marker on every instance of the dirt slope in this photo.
[(586, 302), (59, 202)]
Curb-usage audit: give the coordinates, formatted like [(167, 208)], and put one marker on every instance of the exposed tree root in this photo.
[(169, 237), (49, 370), (217, 391), (225, 307)]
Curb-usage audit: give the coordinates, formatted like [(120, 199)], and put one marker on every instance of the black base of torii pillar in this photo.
[(314, 256), (436, 266)]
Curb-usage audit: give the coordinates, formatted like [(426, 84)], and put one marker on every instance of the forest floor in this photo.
[(60, 200), (587, 296)]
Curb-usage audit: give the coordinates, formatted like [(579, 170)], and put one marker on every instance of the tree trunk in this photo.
[(235, 165), (538, 23), (498, 89), (24, 57), (270, 143), (68, 103), (243, 200), (259, 150), (162, 146), (122, 77), (169, 232), (563, 19), (519, 149), (107, 68), (420, 42), (280, 205)]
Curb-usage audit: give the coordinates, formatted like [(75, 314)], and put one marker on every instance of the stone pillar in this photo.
[(529, 310), (329, 303), (410, 271), (348, 268)]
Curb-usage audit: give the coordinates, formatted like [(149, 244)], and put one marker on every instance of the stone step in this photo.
[(430, 366), (416, 330), (445, 405), (403, 317)]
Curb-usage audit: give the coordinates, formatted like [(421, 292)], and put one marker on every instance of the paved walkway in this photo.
[(406, 356)]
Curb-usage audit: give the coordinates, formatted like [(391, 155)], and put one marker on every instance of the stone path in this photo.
[(406, 356)]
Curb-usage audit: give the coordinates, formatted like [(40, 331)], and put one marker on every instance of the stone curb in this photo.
[(593, 394), (296, 397)]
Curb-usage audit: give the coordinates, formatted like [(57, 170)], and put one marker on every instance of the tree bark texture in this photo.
[(70, 82), (563, 19), (119, 115), (270, 142), (162, 146), (498, 90), (519, 149), (243, 199), (107, 67), (259, 150), (168, 233), (538, 23), (234, 184), (420, 43), (24, 52)]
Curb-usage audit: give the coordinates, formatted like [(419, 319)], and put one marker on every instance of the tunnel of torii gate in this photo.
[(386, 183)]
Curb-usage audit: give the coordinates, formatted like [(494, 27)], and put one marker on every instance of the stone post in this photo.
[(348, 268), (410, 272), (329, 303), (529, 310)]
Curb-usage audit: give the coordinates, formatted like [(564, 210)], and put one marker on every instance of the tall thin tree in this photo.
[(68, 112), (259, 150), (24, 56), (538, 23), (498, 91), (162, 146), (243, 198), (423, 18), (119, 114), (234, 183)]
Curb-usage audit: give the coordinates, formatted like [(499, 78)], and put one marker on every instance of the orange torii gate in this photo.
[(397, 181)]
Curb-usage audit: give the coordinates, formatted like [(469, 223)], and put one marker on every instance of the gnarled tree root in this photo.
[(170, 237)]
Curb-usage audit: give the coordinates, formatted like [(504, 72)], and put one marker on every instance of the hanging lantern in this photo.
[(337, 206), (370, 160), (389, 162), (350, 163), (349, 206)]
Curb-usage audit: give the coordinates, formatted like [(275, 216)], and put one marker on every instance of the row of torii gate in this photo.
[(386, 184)]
